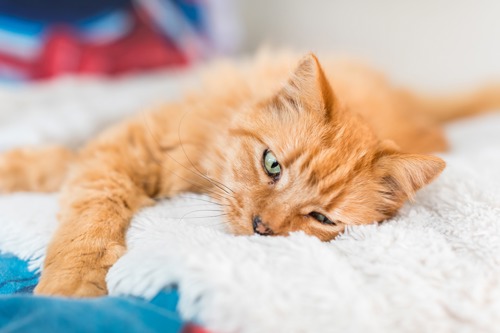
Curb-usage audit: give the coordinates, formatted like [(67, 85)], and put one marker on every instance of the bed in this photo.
[(434, 267)]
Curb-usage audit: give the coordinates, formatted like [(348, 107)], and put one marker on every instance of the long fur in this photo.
[(350, 146)]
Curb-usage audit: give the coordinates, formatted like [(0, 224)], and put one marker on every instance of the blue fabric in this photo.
[(22, 312), (15, 276), (26, 313), (49, 11)]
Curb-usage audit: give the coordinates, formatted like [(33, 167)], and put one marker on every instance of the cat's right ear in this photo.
[(403, 174), (307, 88)]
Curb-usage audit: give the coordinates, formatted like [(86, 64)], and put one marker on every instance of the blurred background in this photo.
[(444, 44), (426, 44)]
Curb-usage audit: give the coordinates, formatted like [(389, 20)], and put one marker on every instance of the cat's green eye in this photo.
[(321, 218), (271, 165)]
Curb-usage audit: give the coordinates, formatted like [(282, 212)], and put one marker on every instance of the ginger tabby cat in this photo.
[(284, 145)]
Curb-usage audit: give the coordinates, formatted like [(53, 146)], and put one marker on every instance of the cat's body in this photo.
[(280, 153)]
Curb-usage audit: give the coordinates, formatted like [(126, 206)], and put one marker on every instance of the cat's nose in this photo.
[(260, 227)]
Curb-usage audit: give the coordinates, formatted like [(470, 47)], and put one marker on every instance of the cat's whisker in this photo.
[(204, 210), (204, 200), (197, 204), (212, 225), (194, 205), (211, 180), (210, 191), (198, 173), (200, 217)]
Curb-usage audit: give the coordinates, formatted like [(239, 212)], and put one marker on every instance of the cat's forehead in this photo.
[(296, 133), (317, 144), (306, 141), (323, 163)]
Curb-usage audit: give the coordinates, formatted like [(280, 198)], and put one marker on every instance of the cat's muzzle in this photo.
[(261, 228)]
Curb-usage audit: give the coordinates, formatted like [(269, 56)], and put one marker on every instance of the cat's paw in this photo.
[(78, 272), (72, 283)]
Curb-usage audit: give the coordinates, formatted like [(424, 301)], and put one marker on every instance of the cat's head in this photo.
[(300, 161)]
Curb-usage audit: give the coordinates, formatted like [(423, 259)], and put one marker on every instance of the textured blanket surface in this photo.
[(433, 268)]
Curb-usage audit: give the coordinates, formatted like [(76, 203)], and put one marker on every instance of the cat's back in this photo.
[(229, 85), (250, 80)]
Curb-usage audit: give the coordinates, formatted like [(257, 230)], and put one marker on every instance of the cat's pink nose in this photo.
[(260, 227)]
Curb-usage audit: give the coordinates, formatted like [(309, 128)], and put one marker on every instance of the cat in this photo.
[(282, 143)]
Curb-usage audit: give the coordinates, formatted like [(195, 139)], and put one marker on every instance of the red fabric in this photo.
[(192, 328), (63, 52)]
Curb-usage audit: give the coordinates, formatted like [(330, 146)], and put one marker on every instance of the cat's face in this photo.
[(300, 162)]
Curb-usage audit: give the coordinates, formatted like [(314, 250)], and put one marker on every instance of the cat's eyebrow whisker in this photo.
[(189, 181), (198, 173), (213, 181), (209, 190)]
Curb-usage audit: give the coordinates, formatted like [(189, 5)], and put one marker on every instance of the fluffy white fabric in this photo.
[(433, 268)]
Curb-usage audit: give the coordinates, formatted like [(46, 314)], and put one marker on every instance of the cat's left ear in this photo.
[(307, 87)]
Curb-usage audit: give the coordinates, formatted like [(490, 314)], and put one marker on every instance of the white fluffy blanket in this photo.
[(433, 268)]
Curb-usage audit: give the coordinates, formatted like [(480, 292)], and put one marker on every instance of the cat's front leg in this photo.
[(110, 180), (96, 209)]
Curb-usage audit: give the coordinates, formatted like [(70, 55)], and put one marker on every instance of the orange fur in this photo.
[(349, 144), (47, 176)]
